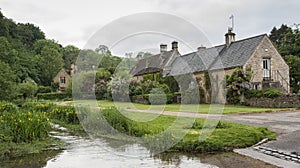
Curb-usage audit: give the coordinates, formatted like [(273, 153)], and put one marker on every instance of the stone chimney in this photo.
[(229, 37), (174, 45), (163, 48)]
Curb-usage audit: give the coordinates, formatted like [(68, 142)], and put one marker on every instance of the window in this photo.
[(255, 86), (63, 80), (266, 68)]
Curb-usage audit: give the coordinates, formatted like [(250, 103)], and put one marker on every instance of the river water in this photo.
[(83, 152)]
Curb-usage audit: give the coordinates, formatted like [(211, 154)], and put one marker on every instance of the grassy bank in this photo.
[(25, 130), (224, 136), (202, 108)]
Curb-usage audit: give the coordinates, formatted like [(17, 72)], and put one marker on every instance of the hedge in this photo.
[(53, 96), (268, 93), (44, 89), (153, 98)]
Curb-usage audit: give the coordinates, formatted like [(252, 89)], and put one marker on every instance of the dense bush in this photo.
[(53, 96), (272, 93), (22, 125), (153, 98), (44, 89), (65, 114), (269, 93), (254, 93)]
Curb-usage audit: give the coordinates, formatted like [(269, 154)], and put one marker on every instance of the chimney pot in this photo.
[(174, 45), (163, 48), (229, 37)]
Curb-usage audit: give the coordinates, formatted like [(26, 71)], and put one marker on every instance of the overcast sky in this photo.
[(75, 22)]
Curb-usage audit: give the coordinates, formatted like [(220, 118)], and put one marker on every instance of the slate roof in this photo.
[(237, 53), (218, 57), (195, 62), (152, 64)]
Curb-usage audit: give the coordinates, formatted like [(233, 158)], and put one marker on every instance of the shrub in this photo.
[(254, 93), (272, 93), (7, 107), (44, 89), (53, 96), (22, 125), (65, 114)]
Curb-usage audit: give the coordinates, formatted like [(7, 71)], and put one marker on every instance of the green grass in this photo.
[(14, 150), (221, 135), (202, 108)]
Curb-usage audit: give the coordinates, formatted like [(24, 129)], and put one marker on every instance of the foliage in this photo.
[(49, 71), (70, 54), (27, 88), (272, 93), (54, 86), (237, 84), (44, 89), (66, 114), (254, 93), (119, 86), (287, 41), (294, 62), (268, 93), (225, 135), (23, 125), (7, 82), (53, 96)]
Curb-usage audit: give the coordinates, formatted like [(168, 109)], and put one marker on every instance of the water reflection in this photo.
[(93, 153), (30, 161)]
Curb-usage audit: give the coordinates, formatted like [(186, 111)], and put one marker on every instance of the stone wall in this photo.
[(283, 101), (279, 69)]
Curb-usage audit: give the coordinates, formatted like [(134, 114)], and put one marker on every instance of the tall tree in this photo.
[(70, 54), (103, 50), (3, 26), (50, 63), (7, 82), (29, 33), (294, 62)]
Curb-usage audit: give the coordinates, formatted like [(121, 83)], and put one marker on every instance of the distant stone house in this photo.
[(63, 78), (269, 70)]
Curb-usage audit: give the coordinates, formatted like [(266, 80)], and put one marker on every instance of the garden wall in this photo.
[(282, 101)]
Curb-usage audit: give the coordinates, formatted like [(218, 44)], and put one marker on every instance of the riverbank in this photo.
[(25, 130), (221, 135), (160, 132)]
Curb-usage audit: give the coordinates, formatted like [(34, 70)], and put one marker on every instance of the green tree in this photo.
[(70, 54), (103, 50), (50, 63), (3, 26), (294, 62), (7, 82), (29, 33), (7, 53), (40, 44), (27, 88)]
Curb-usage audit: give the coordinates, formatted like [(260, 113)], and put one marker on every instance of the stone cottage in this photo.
[(269, 70), (63, 78)]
